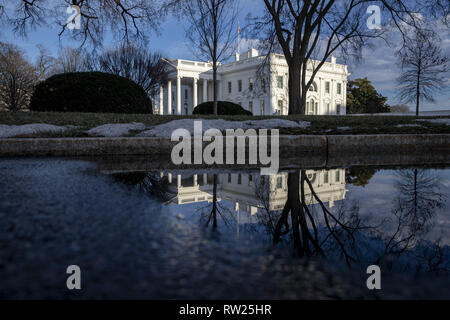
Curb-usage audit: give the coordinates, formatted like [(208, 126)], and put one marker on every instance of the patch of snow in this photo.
[(408, 125), (438, 121), (7, 131), (115, 129), (166, 129), (344, 128)]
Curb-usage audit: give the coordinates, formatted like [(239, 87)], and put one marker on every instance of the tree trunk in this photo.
[(215, 87), (296, 100)]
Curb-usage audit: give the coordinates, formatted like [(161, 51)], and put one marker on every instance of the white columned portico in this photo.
[(205, 90), (169, 97), (194, 94), (219, 90), (178, 95)]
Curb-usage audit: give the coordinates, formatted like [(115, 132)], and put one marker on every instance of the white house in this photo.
[(256, 82)]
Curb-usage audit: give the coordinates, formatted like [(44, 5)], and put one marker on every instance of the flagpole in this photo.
[(238, 38)]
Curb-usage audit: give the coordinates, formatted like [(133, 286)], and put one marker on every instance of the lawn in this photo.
[(319, 124)]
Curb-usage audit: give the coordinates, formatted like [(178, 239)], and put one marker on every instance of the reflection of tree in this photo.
[(359, 176), (412, 215), (210, 215), (147, 182), (308, 242)]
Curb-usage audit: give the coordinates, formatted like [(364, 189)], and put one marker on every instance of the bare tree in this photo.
[(70, 60), (308, 32), (129, 19), (423, 64), (212, 31), (18, 76), (133, 62)]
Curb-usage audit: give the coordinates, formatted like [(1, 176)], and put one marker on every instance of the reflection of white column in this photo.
[(161, 174), (178, 180), (194, 95), (169, 177), (178, 95), (195, 180), (205, 90), (161, 100), (169, 97), (205, 178)]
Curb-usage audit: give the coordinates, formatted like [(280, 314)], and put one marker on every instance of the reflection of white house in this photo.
[(263, 91), (241, 189)]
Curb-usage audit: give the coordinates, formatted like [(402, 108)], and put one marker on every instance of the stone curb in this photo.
[(325, 145)]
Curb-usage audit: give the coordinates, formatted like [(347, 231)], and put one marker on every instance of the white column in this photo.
[(205, 90), (169, 177), (219, 90), (178, 180), (195, 180), (205, 178), (169, 97), (194, 94), (161, 100), (178, 95)]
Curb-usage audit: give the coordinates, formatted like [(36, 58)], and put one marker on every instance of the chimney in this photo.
[(237, 57), (333, 60)]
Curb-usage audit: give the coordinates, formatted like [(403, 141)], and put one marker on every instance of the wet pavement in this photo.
[(152, 235)]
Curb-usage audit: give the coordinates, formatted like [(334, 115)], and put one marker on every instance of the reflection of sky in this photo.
[(376, 200)]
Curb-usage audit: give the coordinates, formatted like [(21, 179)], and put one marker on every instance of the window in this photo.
[(280, 107), (261, 103), (229, 86), (339, 88), (327, 87), (239, 179), (229, 178), (250, 84), (338, 176), (338, 109), (310, 107), (328, 108), (239, 85), (250, 180), (280, 82), (185, 94), (325, 177), (250, 106), (279, 182), (313, 87)]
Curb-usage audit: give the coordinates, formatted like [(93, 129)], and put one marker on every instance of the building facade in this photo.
[(256, 82)]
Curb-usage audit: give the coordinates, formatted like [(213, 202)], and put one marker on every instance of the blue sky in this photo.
[(378, 64)]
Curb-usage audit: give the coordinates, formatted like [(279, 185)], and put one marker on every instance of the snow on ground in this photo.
[(166, 129), (409, 125), (7, 131), (116, 129), (344, 128), (421, 113), (438, 121)]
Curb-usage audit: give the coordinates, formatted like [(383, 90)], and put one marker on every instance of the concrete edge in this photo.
[(329, 146)]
